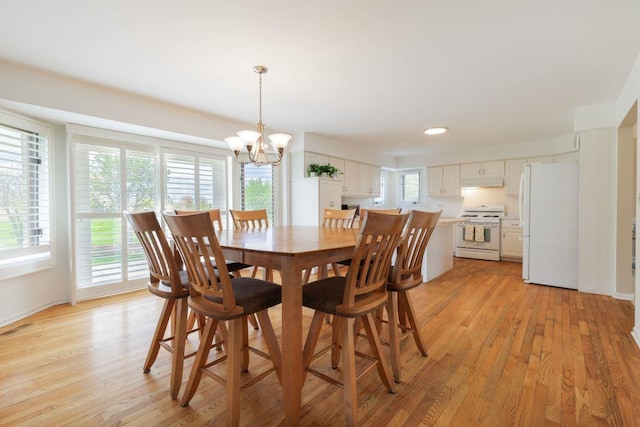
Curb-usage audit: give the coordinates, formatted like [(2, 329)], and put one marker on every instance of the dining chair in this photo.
[(336, 218), (225, 299), (169, 283), (406, 274), (247, 220), (362, 215), (232, 266), (355, 297)]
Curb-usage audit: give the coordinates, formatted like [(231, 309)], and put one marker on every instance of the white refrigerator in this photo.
[(549, 217)]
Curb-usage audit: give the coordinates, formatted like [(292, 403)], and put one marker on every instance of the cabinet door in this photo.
[(434, 181), (451, 180), (511, 245), (350, 178), (330, 195), (375, 181), (492, 168), (514, 169), (364, 179), (470, 170)]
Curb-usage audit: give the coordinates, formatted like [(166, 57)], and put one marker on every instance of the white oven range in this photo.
[(479, 236)]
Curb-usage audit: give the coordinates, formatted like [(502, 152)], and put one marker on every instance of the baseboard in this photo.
[(635, 333), (33, 310), (626, 297)]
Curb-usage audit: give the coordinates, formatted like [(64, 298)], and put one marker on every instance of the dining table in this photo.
[(289, 250)]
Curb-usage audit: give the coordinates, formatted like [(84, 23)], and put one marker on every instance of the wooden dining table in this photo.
[(290, 250)]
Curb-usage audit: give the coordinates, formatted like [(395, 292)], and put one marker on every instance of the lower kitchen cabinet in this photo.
[(511, 239)]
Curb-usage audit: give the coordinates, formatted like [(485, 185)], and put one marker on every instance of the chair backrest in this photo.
[(407, 269), (160, 257), (249, 219), (368, 272), (214, 215), (192, 234), (338, 218)]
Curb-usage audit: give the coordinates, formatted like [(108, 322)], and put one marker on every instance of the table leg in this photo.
[(291, 339)]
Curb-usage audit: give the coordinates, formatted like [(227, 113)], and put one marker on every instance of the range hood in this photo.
[(496, 181)]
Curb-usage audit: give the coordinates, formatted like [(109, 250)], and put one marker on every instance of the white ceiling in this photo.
[(373, 72)]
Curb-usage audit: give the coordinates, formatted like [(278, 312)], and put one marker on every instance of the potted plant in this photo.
[(312, 169), (328, 170)]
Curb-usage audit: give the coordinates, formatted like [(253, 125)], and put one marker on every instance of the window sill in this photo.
[(25, 268)]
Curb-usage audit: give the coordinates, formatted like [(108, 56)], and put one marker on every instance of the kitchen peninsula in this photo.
[(439, 255)]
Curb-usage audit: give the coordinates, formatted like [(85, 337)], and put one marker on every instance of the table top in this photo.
[(291, 240)]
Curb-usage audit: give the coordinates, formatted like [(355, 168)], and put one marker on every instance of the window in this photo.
[(410, 191), (136, 174), (25, 232), (257, 188)]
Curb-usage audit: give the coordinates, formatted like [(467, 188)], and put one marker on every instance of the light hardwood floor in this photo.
[(500, 353)]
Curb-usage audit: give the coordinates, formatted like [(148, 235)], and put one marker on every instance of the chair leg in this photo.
[(307, 276), (336, 269), (253, 321), (376, 348), (158, 335), (180, 336), (394, 338), (336, 337), (271, 341), (311, 341), (413, 321), (233, 371), (349, 372), (244, 366), (200, 361)]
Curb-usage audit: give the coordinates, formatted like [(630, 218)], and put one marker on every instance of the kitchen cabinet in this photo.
[(368, 180), (511, 239), (484, 169), (443, 180), (350, 179), (310, 197), (513, 171)]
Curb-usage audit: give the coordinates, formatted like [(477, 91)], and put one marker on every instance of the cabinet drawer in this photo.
[(511, 223)]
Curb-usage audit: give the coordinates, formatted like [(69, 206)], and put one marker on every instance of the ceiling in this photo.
[(371, 72)]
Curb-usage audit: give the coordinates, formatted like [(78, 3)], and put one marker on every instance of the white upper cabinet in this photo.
[(338, 163), (484, 169), (368, 180), (350, 178), (443, 180), (542, 159), (513, 170)]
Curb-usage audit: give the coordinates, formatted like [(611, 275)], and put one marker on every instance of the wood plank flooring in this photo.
[(500, 353)]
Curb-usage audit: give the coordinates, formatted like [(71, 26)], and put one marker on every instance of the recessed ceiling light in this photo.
[(435, 131)]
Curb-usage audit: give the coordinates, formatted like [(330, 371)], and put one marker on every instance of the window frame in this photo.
[(412, 202), (42, 258)]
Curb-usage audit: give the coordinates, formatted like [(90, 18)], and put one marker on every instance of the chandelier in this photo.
[(257, 148)]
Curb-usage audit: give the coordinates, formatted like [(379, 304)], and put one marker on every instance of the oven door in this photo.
[(478, 240)]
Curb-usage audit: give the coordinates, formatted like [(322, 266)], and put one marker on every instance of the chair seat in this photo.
[(407, 282), (235, 266), (325, 294), (253, 295)]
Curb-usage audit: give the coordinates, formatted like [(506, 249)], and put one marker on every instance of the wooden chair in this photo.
[(246, 220), (405, 275), (232, 266), (333, 218), (228, 300), (355, 297), (363, 215), (167, 282)]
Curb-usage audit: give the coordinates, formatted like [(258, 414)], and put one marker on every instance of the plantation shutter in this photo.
[(24, 196), (256, 186)]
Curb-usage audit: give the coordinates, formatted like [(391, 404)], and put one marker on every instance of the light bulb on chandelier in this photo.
[(254, 139)]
